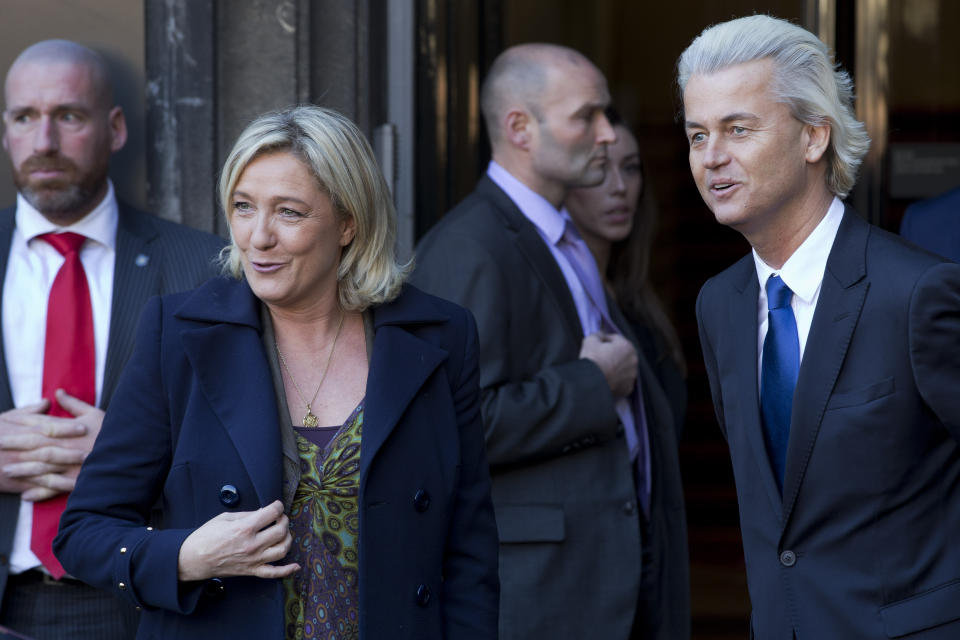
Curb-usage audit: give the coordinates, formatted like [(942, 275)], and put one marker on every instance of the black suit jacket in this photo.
[(863, 541), (563, 485), (178, 258)]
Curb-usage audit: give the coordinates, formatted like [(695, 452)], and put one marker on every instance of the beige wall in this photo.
[(116, 29)]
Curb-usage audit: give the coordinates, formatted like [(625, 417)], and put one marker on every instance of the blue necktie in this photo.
[(778, 375)]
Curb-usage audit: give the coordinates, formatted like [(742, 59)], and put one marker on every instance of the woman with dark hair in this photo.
[(617, 219)]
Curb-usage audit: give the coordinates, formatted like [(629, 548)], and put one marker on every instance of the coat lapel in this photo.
[(842, 295), (743, 320), (654, 398), (136, 277), (6, 237), (658, 414), (400, 364), (234, 376)]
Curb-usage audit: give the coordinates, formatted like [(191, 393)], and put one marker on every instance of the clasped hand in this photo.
[(616, 358), (40, 454), (243, 543)]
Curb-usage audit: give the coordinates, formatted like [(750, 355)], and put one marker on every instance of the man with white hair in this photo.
[(586, 482), (832, 351), (78, 267)]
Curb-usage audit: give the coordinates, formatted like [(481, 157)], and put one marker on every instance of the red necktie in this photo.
[(69, 361)]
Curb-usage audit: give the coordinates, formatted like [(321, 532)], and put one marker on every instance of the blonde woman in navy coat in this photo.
[(295, 449)]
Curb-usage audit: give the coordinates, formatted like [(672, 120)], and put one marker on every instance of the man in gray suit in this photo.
[(583, 458), (60, 129)]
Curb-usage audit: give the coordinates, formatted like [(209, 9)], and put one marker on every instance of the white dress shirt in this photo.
[(803, 273), (31, 268)]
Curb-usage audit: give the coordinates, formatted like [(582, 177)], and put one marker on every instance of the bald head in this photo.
[(61, 127), (519, 77), (544, 108), (65, 52)]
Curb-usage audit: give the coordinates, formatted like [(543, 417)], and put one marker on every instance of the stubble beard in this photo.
[(62, 200)]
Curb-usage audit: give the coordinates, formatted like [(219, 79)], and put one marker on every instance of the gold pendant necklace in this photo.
[(311, 420)]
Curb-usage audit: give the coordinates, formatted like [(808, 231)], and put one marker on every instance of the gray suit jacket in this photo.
[(178, 258), (563, 487)]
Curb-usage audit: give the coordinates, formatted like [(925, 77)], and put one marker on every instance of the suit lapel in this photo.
[(743, 321), (136, 277), (400, 364), (535, 251), (234, 375), (6, 237), (542, 262), (842, 295)]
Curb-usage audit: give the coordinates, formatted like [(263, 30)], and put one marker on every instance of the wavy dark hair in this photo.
[(629, 269)]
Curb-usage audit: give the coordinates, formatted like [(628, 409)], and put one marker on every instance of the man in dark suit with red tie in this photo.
[(832, 351), (77, 267)]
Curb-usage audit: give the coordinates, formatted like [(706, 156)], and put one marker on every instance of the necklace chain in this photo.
[(310, 419)]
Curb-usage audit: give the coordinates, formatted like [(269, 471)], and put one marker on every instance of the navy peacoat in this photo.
[(195, 410)]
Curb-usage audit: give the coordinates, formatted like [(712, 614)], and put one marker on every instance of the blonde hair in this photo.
[(338, 154), (805, 79)]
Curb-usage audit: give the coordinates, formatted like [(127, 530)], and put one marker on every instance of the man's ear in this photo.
[(818, 140), (518, 128), (118, 129)]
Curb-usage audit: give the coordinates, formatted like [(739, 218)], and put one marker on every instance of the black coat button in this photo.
[(214, 587), (421, 500), (423, 595), (229, 496), (788, 558)]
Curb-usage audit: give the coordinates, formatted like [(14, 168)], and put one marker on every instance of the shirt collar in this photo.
[(803, 271), (550, 221), (100, 225)]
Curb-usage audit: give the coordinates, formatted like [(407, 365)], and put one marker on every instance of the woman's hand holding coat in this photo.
[(238, 544)]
